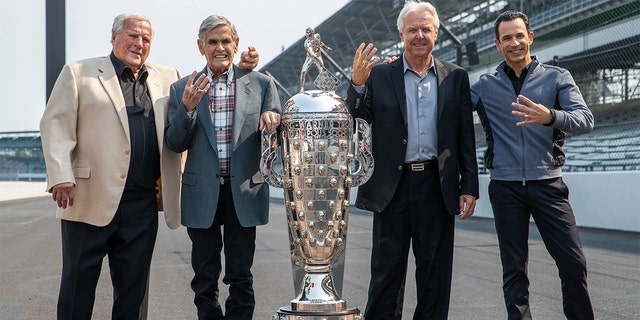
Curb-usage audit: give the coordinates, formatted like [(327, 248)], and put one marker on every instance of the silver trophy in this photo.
[(323, 157)]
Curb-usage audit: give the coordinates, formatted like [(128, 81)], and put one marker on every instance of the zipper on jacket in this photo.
[(523, 140), (523, 158)]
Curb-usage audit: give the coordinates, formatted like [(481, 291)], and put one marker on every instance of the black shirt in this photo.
[(518, 81), (144, 163)]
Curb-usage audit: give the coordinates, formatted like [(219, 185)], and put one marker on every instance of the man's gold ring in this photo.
[(526, 116)]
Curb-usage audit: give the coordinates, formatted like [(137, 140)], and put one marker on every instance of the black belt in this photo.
[(420, 166), (224, 180)]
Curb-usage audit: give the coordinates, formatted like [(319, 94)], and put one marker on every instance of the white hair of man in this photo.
[(412, 5), (118, 22)]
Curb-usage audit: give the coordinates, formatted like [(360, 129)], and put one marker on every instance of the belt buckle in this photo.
[(417, 167)]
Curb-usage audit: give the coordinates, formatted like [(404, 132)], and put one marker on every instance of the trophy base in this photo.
[(285, 313)]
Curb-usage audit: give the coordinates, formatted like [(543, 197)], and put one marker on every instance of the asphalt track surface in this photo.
[(30, 269)]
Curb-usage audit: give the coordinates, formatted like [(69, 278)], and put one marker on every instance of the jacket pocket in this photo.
[(82, 172), (189, 179)]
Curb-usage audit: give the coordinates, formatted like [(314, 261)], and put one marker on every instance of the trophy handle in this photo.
[(362, 153), (269, 155)]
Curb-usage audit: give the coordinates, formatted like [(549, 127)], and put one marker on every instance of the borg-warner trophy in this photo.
[(323, 157)]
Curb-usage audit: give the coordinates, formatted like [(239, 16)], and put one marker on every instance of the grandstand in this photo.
[(613, 145), (21, 156), (597, 40)]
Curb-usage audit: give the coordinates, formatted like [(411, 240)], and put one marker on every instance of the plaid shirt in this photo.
[(221, 102)]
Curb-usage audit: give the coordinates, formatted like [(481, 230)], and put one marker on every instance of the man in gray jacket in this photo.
[(216, 115), (525, 108)]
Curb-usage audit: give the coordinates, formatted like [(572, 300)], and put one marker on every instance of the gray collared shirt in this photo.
[(422, 113)]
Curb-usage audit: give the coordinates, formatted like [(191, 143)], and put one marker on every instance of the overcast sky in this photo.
[(269, 25)]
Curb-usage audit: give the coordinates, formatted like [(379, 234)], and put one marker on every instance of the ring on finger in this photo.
[(526, 116)]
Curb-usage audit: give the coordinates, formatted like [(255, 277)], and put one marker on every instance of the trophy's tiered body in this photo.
[(323, 156)]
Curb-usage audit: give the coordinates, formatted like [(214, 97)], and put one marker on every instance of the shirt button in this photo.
[(404, 141), (400, 168), (122, 176), (126, 152)]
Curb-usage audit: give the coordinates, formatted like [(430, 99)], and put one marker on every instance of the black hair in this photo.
[(509, 16)]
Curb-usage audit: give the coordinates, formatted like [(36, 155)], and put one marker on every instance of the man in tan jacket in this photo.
[(102, 138)]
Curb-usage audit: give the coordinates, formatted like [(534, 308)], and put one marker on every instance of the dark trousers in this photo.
[(547, 201), (239, 248), (415, 217), (128, 240)]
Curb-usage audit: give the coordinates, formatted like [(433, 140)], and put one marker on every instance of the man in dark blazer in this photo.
[(426, 170), (216, 116)]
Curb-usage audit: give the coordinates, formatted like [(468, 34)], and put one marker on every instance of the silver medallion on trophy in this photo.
[(323, 157)]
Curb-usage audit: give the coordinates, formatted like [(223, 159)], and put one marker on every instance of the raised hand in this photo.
[(363, 61)]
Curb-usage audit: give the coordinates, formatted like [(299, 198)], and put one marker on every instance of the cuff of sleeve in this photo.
[(359, 89), (192, 113), (553, 118)]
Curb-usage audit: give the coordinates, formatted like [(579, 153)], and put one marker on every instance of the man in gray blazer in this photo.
[(216, 115)]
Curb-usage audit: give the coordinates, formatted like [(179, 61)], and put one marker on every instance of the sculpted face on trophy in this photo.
[(322, 157)]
